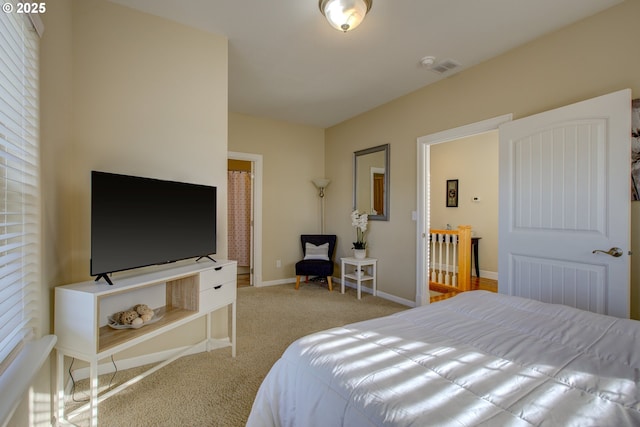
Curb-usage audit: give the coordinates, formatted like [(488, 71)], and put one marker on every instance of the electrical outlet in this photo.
[(278, 263)]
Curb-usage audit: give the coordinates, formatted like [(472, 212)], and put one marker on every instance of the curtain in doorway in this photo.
[(239, 216)]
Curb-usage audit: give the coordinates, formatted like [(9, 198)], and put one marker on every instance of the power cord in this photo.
[(73, 381)]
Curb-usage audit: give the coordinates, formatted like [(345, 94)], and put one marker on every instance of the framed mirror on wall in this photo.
[(371, 182)]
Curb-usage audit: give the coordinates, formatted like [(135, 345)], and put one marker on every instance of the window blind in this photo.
[(19, 183)]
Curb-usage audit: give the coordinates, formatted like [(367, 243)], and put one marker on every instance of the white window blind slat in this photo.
[(10, 134), (13, 128), (11, 276), (6, 271), (24, 157), (13, 319), (9, 236), (14, 180), (16, 338), (8, 262)]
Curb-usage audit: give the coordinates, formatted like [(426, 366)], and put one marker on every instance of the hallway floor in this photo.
[(477, 283)]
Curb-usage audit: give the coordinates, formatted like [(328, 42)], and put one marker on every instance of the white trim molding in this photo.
[(423, 219)]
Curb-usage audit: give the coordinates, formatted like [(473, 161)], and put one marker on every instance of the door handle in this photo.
[(614, 252)]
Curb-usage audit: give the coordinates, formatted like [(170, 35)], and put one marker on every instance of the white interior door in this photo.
[(564, 192)]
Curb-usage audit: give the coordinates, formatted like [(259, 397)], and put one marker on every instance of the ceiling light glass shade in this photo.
[(345, 15)]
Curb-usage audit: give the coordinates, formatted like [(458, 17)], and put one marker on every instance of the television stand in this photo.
[(180, 294), (206, 256), (105, 276)]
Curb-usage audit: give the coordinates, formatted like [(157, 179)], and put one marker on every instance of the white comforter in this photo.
[(476, 359)]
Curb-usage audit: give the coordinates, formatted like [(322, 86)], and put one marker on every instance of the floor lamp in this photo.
[(321, 184)]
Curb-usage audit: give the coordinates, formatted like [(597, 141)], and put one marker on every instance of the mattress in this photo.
[(478, 359)]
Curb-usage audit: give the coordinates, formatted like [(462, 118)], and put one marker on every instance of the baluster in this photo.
[(440, 239), (447, 276), (455, 262), (433, 257)]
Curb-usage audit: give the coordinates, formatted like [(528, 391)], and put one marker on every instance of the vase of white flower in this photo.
[(359, 221)]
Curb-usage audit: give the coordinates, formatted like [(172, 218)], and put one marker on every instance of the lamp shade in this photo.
[(321, 182), (345, 15)]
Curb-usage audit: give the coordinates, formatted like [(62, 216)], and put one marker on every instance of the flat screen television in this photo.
[(138, 222)]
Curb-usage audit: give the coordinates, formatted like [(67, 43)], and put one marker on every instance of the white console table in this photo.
[(182, 292), (366, 265)]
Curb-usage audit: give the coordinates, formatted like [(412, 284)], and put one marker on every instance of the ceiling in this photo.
[(287, 63)]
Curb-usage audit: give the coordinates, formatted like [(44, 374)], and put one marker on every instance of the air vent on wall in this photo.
[(444, 66)]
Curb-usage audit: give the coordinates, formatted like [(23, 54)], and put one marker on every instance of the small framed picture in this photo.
[(452, 193)]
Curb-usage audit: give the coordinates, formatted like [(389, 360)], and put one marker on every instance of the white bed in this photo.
[(476, 359)]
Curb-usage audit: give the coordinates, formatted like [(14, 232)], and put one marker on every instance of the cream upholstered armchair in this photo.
[(318, 257)]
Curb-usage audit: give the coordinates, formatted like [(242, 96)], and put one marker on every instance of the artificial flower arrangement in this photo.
[(359, 221)]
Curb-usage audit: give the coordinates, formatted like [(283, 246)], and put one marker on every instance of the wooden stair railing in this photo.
[(449, 261)]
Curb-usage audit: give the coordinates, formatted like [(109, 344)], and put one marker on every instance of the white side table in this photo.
[(366, 265)]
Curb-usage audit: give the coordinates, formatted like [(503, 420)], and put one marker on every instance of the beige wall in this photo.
[(473, 161), (56, 113), (591, 58), (293, 155), (55, 136), (149, 99), (125, 92)]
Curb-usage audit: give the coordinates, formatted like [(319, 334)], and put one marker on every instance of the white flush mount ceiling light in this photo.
[(345, 15)]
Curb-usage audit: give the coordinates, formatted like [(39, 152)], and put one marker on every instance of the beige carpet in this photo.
[(214, 389)]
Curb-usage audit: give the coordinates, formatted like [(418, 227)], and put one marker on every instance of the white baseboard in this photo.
[(396, 299), (283, 282), (336, 281), (379, 293), (276, 282), (363, 288), (493, 275)]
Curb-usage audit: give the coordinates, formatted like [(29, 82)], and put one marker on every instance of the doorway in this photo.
[(245, 216), (424, 193), (240, 217), (377, 190)]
